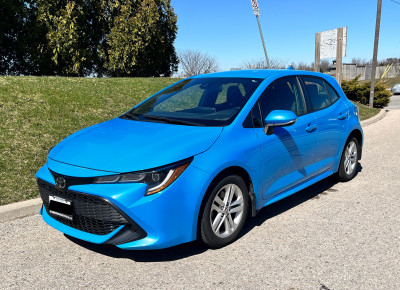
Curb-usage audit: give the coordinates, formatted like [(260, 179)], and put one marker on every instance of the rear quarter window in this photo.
[(317, 93), (332, 93)]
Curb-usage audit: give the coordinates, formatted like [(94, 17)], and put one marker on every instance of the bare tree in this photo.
[(360, 61), (304, 66), (324, 65), (194, 63), (389, 61), (262, 64)]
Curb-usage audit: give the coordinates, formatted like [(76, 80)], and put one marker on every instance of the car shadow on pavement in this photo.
[(164, 255), (322, 187)]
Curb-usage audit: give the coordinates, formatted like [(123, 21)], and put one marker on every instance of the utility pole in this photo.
[(339, 56), (256, 11), (374, 59), (317, 59)]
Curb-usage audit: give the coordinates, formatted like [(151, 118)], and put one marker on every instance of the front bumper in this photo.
[(92, 215), (128, 218)]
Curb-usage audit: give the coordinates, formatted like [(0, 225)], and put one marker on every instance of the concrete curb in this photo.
[(21, 209), (374, 119)]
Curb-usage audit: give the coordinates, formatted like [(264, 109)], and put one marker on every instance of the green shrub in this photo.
[(359, 92)]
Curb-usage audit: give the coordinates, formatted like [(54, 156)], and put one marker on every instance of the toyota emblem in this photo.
[(60, 182)]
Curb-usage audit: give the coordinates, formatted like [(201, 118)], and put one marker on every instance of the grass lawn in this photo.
[(366, 112), (38, 112), (390, 82)]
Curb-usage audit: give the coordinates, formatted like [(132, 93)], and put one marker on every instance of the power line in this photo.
[(395, 2)]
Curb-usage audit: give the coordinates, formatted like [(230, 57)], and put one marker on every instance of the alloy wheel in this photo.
[(350, 160), (227, 210)]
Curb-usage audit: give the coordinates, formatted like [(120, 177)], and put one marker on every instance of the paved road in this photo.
[(332, 236), (394, 103)]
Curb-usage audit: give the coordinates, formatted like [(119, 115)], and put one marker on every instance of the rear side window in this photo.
[(332, 93), (283, 94), (317, 93)]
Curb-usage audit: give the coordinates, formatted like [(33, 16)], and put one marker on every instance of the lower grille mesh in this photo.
[(91, 214)]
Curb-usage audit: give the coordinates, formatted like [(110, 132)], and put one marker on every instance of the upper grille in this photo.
[(91, 214)]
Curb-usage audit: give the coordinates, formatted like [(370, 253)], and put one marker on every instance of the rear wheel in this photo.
[(349, 161), (225, 212)]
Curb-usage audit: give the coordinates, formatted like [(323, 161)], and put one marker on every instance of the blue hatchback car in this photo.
[(197, 158)]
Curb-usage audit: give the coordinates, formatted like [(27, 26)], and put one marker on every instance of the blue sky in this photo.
[(227, 29)]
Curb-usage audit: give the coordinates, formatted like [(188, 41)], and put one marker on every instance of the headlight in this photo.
[(156, 180)]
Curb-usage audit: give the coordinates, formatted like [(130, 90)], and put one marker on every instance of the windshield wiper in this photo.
[(131, 116), (171, 121)]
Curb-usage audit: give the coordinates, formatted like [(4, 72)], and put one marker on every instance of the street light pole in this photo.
[(375, 56), (256, 11), (262, 39)]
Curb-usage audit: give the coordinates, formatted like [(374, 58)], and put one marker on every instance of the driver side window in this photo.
[(283, 94)]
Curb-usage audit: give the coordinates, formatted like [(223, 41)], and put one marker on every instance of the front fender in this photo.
[(243, 151)]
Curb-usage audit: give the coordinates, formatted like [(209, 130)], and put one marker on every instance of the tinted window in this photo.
[(317, 93), (332, 93), (179, 102), (254, 119), (222, 96), (283, 94), (198, 101), (257, 120)]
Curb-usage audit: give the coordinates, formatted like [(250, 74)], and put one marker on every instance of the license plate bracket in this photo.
[(61, 207)]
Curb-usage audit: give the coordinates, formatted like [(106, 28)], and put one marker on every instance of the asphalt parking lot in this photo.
[(330, 236), (394, 102)]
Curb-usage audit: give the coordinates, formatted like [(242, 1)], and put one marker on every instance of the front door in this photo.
[(288, 155)]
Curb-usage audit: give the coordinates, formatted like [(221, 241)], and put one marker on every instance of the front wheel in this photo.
[(225, 212), (349, 161)]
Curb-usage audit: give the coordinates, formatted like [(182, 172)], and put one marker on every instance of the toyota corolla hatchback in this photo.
[(197, 158)]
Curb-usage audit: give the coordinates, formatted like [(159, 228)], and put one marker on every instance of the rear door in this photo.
[(331, 115), (288, 155)]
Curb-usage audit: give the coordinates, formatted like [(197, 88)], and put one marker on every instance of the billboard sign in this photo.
[(328, 43)]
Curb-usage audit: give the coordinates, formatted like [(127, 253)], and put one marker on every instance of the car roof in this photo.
[(260, 73)]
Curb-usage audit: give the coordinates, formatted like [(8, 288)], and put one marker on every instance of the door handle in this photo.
[(311, 128), (342, 116)]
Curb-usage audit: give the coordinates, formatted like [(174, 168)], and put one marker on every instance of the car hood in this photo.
[(122, 145)]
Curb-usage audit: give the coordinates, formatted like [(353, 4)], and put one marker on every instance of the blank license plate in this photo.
[(61, 207)]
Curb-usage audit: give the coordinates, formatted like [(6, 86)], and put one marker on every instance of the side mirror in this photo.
[(278, 118)]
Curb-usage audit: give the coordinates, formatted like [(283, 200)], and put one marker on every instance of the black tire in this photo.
[(216, 238), (344, 174)]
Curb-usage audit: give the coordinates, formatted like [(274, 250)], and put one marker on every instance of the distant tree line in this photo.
[(282, 64), (384, 62), (261, 63), (88, 37)]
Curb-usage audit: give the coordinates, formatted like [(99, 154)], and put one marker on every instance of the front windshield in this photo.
[(198, 101)]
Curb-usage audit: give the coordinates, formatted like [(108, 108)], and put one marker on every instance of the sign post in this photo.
[(329, 44), (256, 12), (339, 55), (317, 51)]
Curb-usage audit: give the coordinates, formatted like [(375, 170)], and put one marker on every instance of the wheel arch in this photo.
[(232, 170), (358, 135)]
